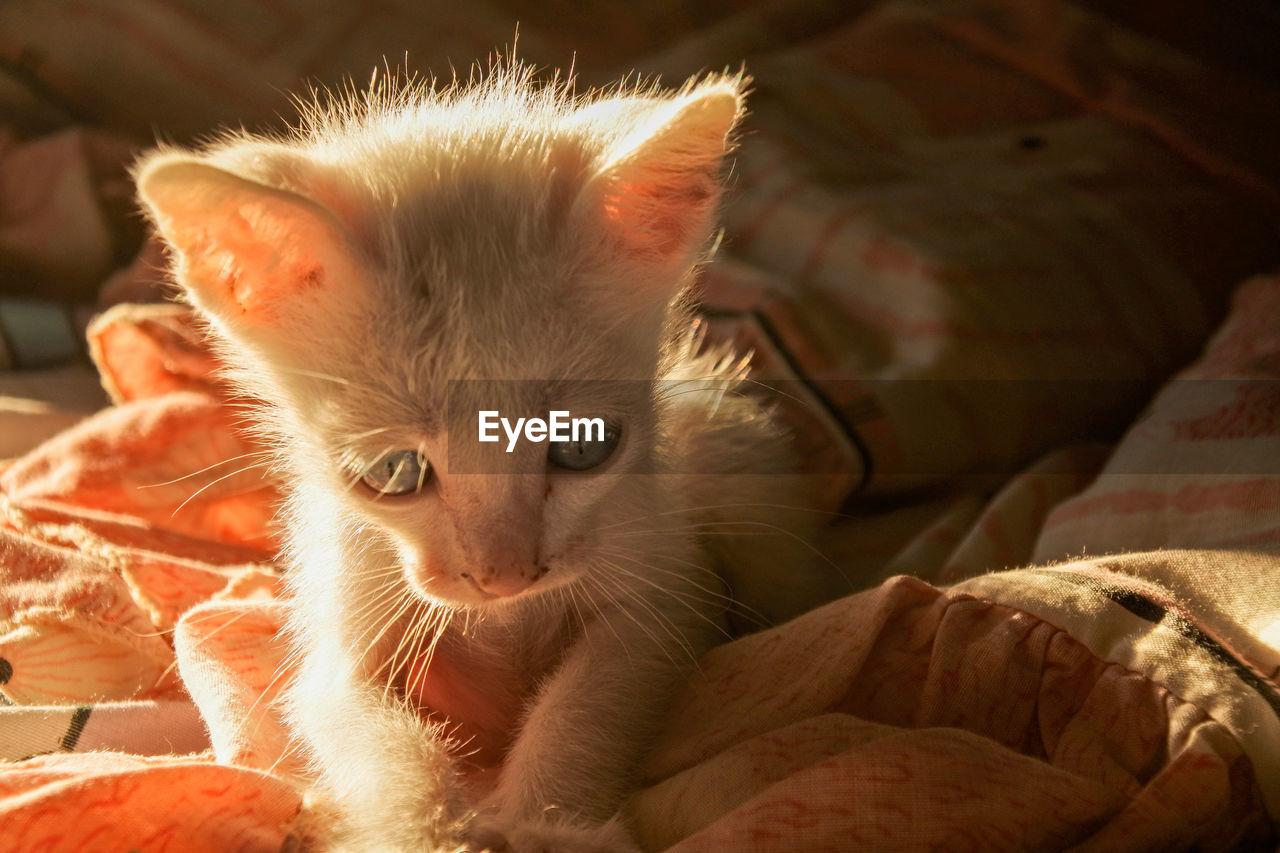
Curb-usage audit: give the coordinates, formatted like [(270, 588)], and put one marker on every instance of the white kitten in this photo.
[(373, 280)]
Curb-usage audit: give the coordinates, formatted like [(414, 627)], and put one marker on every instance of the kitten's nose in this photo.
[(507, 581)]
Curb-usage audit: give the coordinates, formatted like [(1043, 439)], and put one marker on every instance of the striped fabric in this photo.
[(1202, 466), (988, 256)]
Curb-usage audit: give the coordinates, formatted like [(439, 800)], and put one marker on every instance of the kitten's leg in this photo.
[(388, 776), (586, 733)]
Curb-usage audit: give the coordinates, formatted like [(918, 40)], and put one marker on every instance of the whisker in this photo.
[(675, 596), (210, 485), (714, 507), (700, 529), (407, 640), (349, 460), (604, 618), (196, 621), (369, 434), (337, 380), (422, 629), (401, 600), (713, 598), (742, 376), (207, 468), (442, 623), (660, 620)]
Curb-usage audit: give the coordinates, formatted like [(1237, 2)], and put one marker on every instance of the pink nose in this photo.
[(508, 581)]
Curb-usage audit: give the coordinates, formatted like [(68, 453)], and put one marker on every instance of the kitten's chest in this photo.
[(479, 684)]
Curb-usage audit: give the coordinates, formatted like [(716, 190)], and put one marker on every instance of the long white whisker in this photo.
[(442, 624), (714, 507), (210, 485), (705, 595), (660, 620), (678, 597), (407, 640), (206, 468), (700, 528), (337, 380), (402, 600)]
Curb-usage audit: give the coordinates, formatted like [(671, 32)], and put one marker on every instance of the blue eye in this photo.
[(398, 473), (582, 455)]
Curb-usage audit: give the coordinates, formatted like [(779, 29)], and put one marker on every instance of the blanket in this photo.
[(1133, 697), (997, 262)]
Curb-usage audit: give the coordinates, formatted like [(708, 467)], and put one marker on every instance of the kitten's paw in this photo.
[(324, 828), (542, 836)]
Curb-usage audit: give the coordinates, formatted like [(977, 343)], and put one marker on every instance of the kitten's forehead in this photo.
[(422, 365), (496, 297), (488, 230)]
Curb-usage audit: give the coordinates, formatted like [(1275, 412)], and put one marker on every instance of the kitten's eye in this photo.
[(398, 473), (581, 455)]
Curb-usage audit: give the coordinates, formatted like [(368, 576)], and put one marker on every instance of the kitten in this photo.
[(374, 279)]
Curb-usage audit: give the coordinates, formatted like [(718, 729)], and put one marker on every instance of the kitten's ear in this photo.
[(249, 255), (662, 182)]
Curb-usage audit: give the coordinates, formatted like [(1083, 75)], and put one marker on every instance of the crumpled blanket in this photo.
[(1110, 703)]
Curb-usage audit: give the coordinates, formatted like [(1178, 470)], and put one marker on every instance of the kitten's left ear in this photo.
[(250, 256), (662, 182)]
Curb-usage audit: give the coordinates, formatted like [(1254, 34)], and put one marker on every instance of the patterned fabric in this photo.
[(1201, 465), (968, 280), (912, 718), (967, 242)]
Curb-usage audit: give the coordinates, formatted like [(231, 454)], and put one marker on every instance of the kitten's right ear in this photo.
[(248, 255)]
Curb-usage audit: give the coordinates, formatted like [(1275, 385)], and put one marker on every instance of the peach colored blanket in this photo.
[(1117, 703)]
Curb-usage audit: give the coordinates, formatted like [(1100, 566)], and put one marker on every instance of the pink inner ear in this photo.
[(662, 186), (254, 258), (664, 218)]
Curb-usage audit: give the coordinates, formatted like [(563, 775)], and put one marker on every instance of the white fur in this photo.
[(404, 239)]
